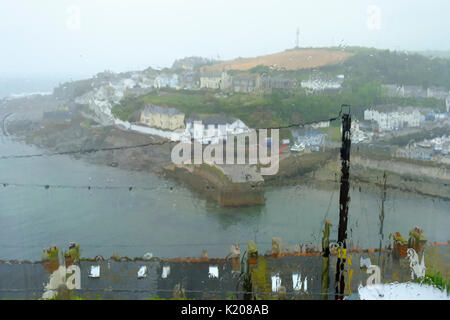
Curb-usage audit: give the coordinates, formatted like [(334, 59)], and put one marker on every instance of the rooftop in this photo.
[(118, 277), (212, 119)]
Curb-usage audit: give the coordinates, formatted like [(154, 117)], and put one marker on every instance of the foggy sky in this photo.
[(39, 38)]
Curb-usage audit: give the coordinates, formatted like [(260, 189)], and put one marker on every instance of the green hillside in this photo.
[(364, 72)]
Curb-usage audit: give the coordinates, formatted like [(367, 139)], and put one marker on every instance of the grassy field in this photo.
[(255, 110)]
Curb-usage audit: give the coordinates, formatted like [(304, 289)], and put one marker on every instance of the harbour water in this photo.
[(170, 220)]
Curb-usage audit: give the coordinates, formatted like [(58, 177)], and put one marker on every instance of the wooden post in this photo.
[(343, 206)]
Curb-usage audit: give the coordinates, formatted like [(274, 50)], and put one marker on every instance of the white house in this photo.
[(395, 90), (166, 81), (147, 81), (321, 124), (320, 84), (387, 121), (213, 129), (216, 81), (447, 103)]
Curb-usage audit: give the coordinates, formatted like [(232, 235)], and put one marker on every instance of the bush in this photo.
[(434, 278)]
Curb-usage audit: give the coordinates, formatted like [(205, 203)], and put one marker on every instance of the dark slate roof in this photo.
[(118, 279), (213, 74), (22, 280), (212, 120)]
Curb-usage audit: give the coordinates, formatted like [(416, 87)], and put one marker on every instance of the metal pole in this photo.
[(343, 206)]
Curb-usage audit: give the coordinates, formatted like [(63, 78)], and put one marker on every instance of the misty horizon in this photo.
[(78, 40)]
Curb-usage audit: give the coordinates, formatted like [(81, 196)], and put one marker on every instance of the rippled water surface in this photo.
[(167, 219)]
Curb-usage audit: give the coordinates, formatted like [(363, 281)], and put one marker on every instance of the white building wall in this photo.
[(393, 120), (173, 136), (368, 115), (210, 82), (214, 133)]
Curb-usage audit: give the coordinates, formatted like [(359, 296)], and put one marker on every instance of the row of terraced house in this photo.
[(205, 130), (408, 91), (246, 83)]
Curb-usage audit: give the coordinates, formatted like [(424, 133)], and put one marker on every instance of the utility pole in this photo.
[(297, 40), (383, 199), (343, 206)]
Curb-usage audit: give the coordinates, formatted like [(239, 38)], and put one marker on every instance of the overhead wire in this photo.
[(143, 145)]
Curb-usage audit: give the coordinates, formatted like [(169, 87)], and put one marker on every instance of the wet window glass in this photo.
[(224, 150)]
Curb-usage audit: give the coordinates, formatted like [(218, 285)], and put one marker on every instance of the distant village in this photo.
[(107, 89)]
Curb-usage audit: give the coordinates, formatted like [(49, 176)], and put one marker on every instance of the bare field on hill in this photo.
[(286, 60)]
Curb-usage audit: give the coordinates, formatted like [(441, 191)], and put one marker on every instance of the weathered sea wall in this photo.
[(295, 167), (407, 176), (215, 184), (398, 166)]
